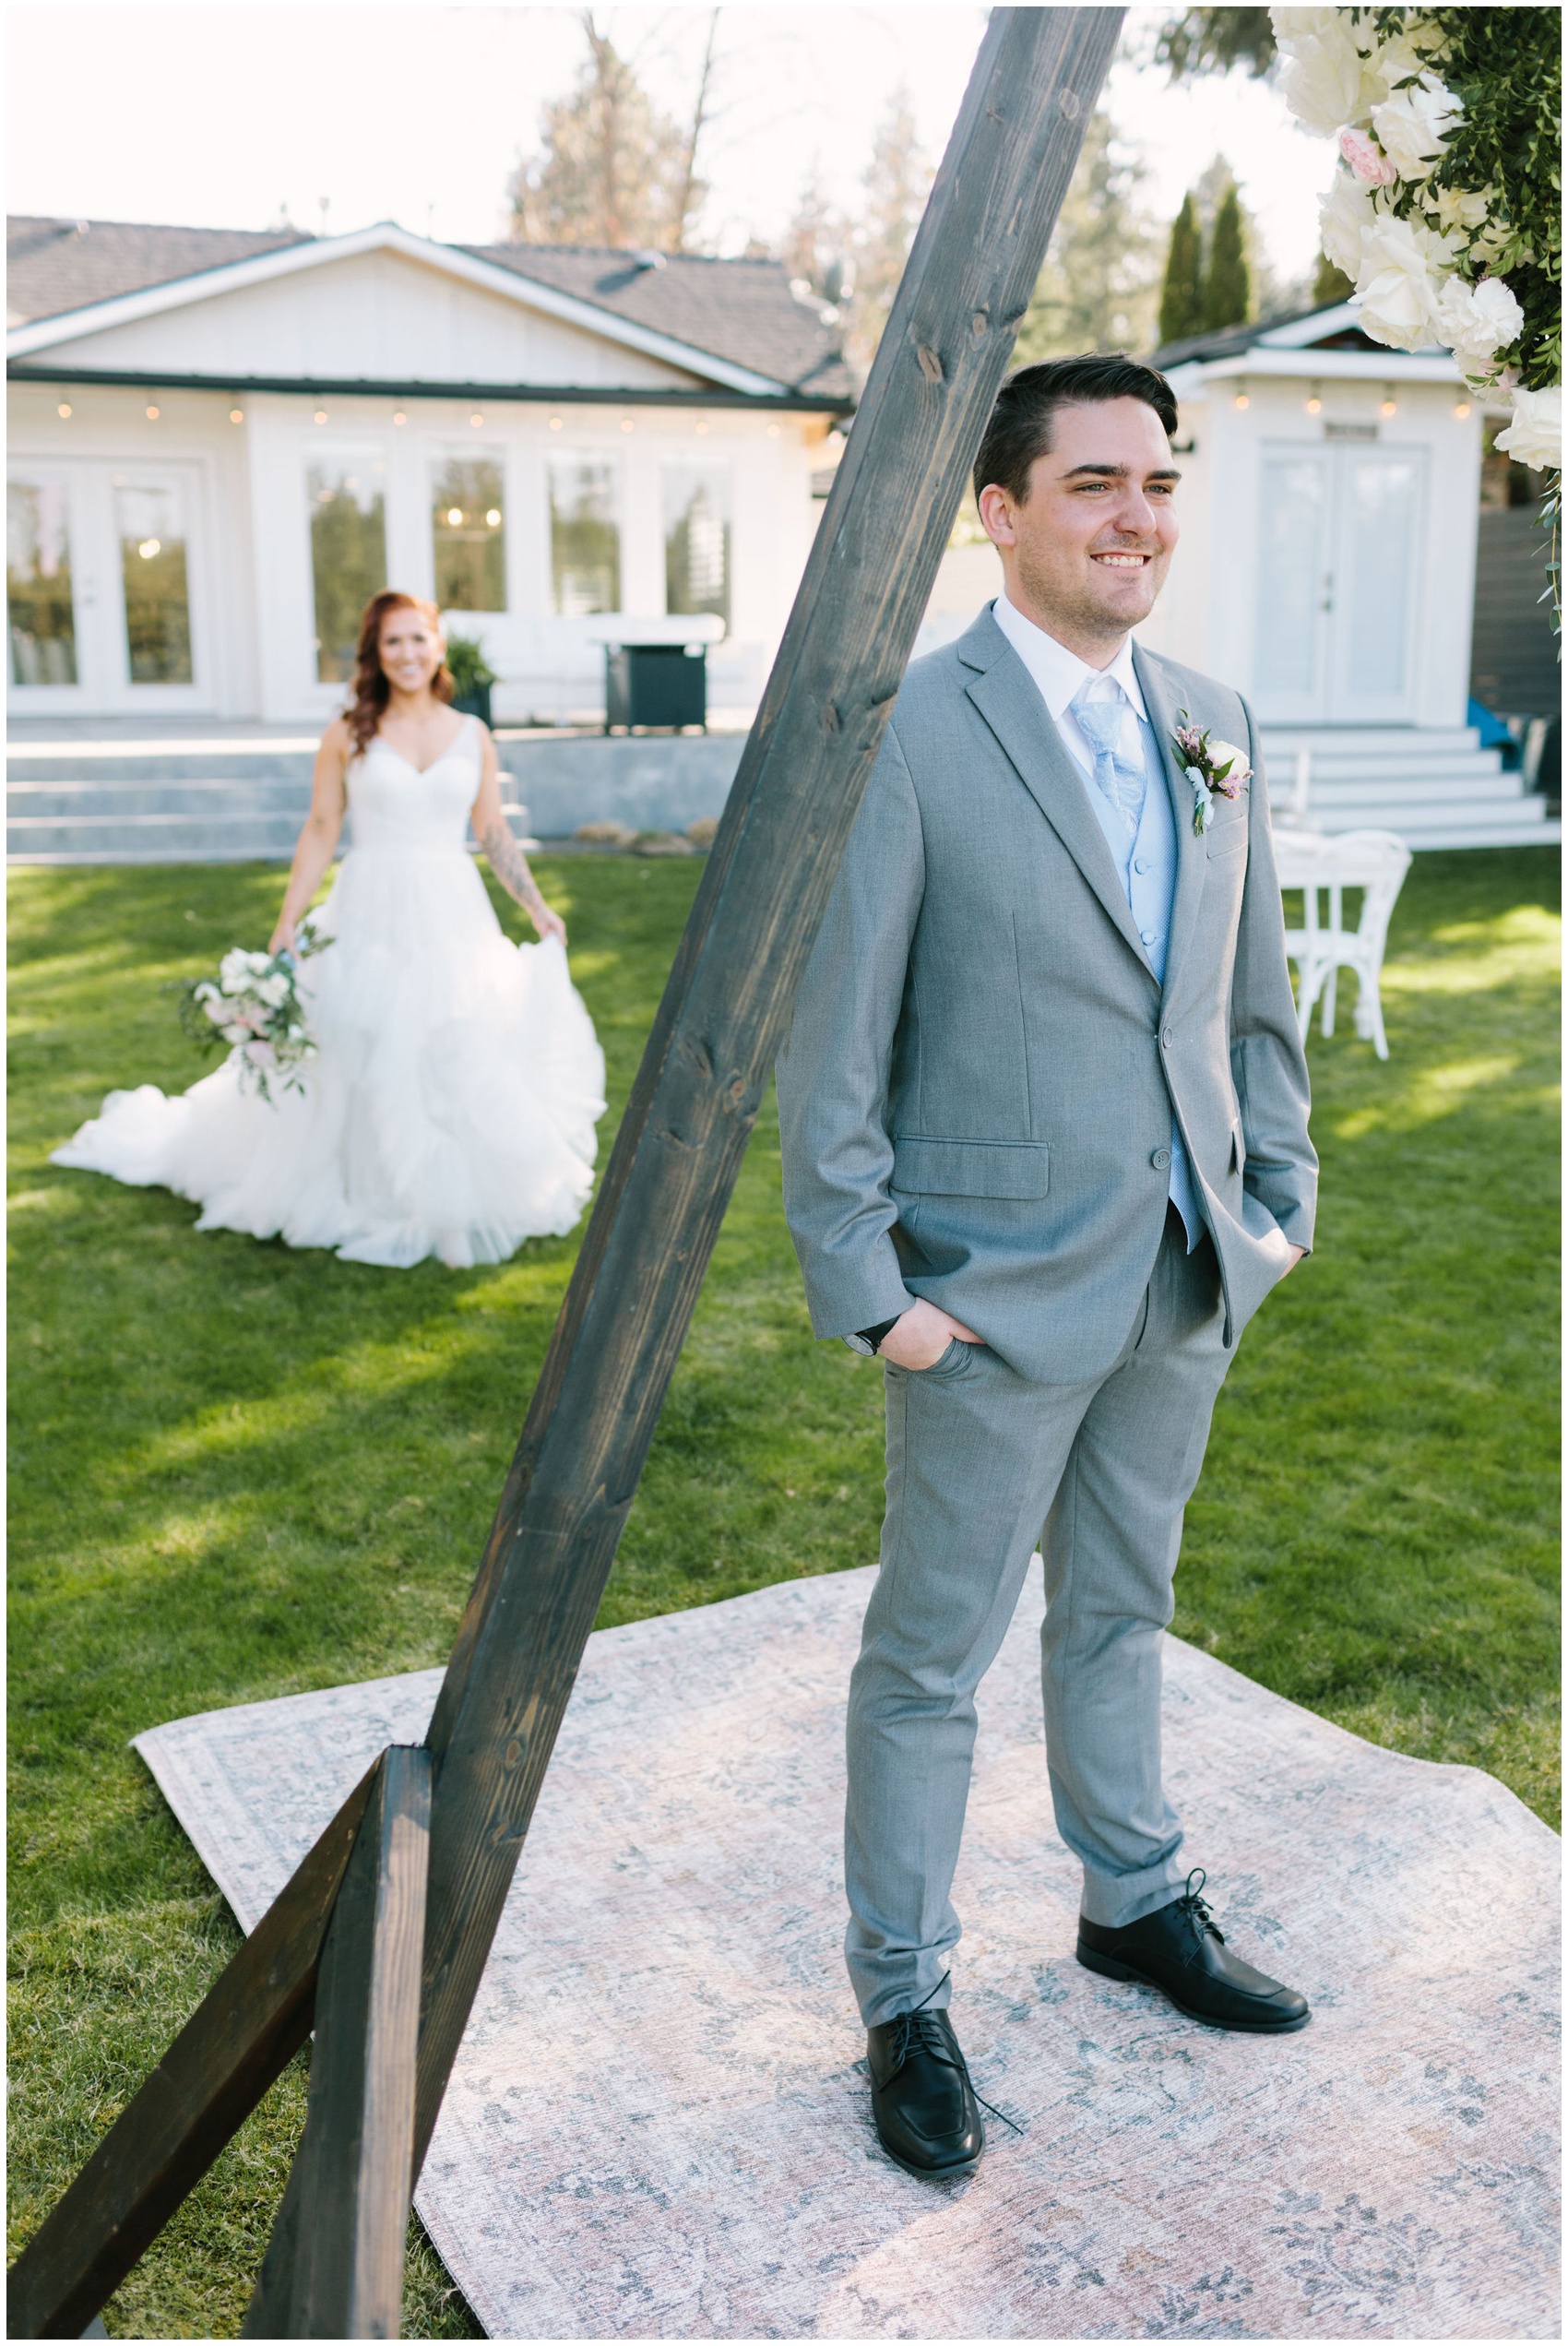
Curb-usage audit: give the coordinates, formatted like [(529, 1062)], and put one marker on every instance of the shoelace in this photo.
[(1195, 1909), (922, 2031)]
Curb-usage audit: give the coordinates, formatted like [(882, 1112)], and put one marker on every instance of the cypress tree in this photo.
[(1330, 283), (1227, 291), (1181, 299)]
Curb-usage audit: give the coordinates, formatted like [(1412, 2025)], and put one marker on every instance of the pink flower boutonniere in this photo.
[(1209, 766)]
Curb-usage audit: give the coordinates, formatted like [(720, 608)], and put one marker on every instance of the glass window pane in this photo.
[(696, 539), (468, 520), (149, 523), (584, 537), (348, 551), (38, 584), (1292, 507), (1383, 505)]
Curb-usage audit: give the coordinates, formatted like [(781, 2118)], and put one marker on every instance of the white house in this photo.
[(222, 444)]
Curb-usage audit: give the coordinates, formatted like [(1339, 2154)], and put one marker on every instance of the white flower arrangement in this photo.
[(253, 1004), (1429, 264)]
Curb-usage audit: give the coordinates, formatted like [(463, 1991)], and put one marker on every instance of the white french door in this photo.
[(105, 577), (1338, 543)]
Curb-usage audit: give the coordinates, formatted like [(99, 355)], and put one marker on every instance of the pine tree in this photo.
[(1098, 289), (1226, 291), (611, 169), (1181, 299)]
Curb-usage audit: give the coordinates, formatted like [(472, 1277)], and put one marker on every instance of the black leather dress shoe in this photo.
[(927, 2117), (1181, 1950)]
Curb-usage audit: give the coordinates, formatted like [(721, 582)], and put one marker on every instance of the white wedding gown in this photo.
[(450, 1109)]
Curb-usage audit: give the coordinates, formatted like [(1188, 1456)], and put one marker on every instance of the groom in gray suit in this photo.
[(1044, 1109)]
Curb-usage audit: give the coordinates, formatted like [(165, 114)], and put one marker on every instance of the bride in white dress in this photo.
[(451, 1106)]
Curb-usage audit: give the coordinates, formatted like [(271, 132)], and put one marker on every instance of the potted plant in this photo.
[(471, 676)]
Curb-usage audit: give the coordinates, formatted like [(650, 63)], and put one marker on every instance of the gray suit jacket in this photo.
[(975, 1094)]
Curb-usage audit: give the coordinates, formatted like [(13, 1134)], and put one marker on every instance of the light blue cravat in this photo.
[(1122, 782)]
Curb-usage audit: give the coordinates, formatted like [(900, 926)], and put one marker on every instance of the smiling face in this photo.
[(409, 651), (1086, 550)]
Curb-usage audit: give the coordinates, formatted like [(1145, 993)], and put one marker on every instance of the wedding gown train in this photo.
[(450, 1109)]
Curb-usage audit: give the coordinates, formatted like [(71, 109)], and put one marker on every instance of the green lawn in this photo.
[(239, 1472)]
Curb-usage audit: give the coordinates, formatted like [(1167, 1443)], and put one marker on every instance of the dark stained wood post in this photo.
[(242, 2033), (727, 1005), (334, 2264)]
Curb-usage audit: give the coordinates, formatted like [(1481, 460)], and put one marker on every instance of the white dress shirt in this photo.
[(1060, 675)]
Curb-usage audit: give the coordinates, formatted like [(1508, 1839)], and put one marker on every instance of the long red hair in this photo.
[(371, 691)]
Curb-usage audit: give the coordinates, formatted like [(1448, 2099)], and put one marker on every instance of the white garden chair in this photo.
[(1374, 862)]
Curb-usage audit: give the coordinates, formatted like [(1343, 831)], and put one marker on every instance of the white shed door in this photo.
[(1338, 547)]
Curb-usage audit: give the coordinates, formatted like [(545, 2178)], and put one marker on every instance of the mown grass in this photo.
[(239, 1472)]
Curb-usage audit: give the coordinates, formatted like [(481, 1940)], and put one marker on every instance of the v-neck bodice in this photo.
[(397, 807)]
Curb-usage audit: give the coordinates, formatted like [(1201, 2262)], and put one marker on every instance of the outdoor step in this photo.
[(1476, 766), (125, 802), (1366, 740), (1525, 823), (1487, 789), (27, 763)]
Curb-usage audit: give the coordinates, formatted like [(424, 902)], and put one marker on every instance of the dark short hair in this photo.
[(1020, 422)]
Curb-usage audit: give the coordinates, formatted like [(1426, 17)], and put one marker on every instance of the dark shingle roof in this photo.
[(1231, 341), (53, 266), (740, 310)]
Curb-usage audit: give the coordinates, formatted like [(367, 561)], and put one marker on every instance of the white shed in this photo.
[(221, 445)]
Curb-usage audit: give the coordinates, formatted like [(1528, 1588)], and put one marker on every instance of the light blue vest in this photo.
[(1146, 868)]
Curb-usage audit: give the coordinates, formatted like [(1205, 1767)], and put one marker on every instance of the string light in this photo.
[(1463, 410), (152, 415), (475, 421), (236, 415), (321, 415), (64, 408), (1241, 400), (626, 424), (455, 515), (494, 517), (1314, 399), (1390, 406), (398, 416), (555, 423)]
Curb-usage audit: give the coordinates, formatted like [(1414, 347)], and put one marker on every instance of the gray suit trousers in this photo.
[(977, 1458)]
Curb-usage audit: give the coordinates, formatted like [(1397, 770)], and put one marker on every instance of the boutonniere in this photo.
[(1209, 766)]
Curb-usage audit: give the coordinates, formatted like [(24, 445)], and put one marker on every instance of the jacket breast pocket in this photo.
[(972, 1168)]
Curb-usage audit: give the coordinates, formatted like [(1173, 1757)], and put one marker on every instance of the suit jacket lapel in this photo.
[(1192, 848), (1006, 694)]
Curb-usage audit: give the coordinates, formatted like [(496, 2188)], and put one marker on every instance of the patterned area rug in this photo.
[(659, 2125)]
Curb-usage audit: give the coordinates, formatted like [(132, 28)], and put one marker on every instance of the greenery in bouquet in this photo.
[(253, 1004)]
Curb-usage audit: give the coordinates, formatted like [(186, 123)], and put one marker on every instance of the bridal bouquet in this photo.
[(253, 1004)]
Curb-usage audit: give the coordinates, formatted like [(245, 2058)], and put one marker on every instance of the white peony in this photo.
[(275, 989), (1412, 125), (1344, 217), (1403, 267), (1535, 436), (1476, 321), (1326, 79), (233, 970)]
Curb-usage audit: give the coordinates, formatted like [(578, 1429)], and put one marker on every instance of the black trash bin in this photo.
[(655, 685)]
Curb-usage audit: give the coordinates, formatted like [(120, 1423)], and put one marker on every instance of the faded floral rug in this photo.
[(659, 2125)]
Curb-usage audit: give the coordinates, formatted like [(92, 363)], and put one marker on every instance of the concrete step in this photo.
[(123, 802), (1475, 765), (1367, 740), (222, 763), (1523, 822), (1485, 790)]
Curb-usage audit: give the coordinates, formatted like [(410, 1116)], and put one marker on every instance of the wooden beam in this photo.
[(727, 1005), (241, 2034), (334, 2264)]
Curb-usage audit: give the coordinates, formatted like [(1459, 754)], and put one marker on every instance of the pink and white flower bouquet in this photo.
[(255, 1004)]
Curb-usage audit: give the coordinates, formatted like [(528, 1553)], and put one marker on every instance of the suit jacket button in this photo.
[(1160, 1160), (1168, 1037)]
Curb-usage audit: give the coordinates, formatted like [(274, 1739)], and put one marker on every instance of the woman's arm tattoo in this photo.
[(510, 865)]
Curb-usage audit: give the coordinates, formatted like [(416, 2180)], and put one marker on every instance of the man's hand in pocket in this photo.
[(922, 1335)]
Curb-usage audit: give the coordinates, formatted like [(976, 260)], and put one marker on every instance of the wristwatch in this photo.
[(870, 1338)]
